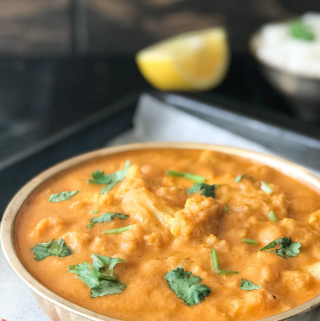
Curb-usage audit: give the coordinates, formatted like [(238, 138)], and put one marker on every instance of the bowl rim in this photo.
[(7, 227), (253, 46)]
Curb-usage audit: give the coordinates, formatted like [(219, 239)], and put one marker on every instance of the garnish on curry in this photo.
[(200, 235)]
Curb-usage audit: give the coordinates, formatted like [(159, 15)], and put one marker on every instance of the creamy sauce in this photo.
[(176, 229)]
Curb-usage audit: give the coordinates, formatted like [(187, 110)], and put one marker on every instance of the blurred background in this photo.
[(69, 83), (62, 60)]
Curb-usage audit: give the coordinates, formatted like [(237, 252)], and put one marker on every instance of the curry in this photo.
[(170, 234)]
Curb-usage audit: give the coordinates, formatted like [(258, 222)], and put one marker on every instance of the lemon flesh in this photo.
[(192, 61)]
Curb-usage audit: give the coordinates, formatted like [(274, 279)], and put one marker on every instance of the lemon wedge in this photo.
[(192, 61)]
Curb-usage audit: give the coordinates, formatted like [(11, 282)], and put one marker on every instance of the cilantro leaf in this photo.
[(191, 177), (205, 189), (187, 288), (62, 196), (299, 30), (107, 287), (52, 248), (287, 247), (89, 275), (249, 286), (106, 217), (95, 211), (101, 263), (99, 178), (226, 209), (110, 179), (92, 274)]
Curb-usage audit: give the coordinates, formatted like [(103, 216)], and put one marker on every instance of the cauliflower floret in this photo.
[(314, 220), (236, 233), (248, 304), (199, 217), (270, 233), (174, 261), (49, 226), (154, 239), (105, 199), (99, 245), (77, 240), (296, 281), (148, 208), (247, 197), (304, 203), (259, 298), (176, 196), (134, 180), (212, 241), (275, 262), (314, 269)]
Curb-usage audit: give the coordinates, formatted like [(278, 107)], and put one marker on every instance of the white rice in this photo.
[(300, 57)]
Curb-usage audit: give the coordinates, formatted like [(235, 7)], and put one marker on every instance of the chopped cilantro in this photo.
[(214, 260), (226, 209), (249, 241), (175, 173), (99, 178), (72, 268), (110, 179), (195, 178), (239, 178), (95, 211), (272, 216), (187, 287), (92, 274), (299, 30), (62, 196), (248, 286), (118, 230), (205, 189), (52, 248), (287, 247), (191, 177), (107, 287), (266, 188), (215, 264), (102, 263), (226, 272), (106, 217), (89, 275)]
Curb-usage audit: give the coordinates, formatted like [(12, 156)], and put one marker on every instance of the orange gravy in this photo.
[(171, 229)]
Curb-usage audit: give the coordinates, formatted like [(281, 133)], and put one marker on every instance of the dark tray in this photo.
[(273, 131)]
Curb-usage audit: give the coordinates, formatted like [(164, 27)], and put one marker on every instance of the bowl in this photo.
[(302, 93), (59, 309)]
